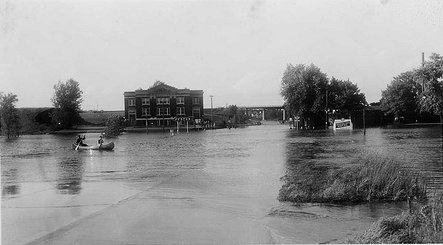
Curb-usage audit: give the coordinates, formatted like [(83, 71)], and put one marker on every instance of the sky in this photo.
[(235, 51)]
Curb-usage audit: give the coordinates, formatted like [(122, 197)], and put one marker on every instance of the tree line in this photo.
[(412, 96), (416, 95), (67, 99), (316, 100)]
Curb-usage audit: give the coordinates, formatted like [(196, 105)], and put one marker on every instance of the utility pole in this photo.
[(422, 65), (441, 115), (441, 119), (364, 121), (212, 118), (326, 108)]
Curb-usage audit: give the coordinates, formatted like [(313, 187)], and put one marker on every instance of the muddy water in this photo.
[(223, 181)]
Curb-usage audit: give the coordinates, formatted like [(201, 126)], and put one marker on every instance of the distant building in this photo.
[(163, 105)]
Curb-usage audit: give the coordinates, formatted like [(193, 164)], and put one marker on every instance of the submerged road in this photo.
[(173, 210)]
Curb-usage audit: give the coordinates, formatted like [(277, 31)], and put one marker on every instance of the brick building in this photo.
[(163, 105)]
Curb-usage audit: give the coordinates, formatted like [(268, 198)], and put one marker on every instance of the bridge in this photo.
[(262, 108)]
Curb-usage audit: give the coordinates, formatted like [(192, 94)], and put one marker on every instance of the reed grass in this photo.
[(423, 224), (371, 177)]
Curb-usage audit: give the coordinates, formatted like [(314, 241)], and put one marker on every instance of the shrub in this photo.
[(114, 126)]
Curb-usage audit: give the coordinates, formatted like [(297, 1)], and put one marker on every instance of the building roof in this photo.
[(162, 88)]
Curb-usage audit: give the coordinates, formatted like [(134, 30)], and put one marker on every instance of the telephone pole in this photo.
[(212, 118), (326, 108), (422, 65)]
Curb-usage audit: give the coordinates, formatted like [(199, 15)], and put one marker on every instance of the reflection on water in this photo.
[(10, 184), (69, 177), (156, 155)]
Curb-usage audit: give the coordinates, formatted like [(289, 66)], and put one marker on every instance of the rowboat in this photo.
[(342, 124), (103, 147)]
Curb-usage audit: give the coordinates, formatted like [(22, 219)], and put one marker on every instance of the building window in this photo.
[(162, 101), (180, 100), (145, 101), (181, 111), (196, 101), (196, 113), (163, 111), (131, 102), (146, 111)]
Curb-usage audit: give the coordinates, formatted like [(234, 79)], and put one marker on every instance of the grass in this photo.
[(369, 178), (424, 224)]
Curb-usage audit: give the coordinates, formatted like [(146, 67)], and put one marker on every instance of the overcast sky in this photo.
[(236, 51)]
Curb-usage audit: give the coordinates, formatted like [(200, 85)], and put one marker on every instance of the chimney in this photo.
[(422, 59)]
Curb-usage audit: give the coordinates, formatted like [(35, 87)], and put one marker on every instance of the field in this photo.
[(99, 117)]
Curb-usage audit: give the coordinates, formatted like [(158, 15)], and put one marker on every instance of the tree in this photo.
[(401, 97), (430, 76), (9, 116), (67, 99), (303, 89), (235, 115), (345, 96)]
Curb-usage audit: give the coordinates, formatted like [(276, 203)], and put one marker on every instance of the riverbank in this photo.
[(99, 129)]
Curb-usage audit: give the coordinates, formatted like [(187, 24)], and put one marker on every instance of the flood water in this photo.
[(218, 186)]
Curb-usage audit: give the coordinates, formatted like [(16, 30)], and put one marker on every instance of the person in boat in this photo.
[(79, 141), (100, 141)]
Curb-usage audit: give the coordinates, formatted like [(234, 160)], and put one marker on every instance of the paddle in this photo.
[(77, 144)]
